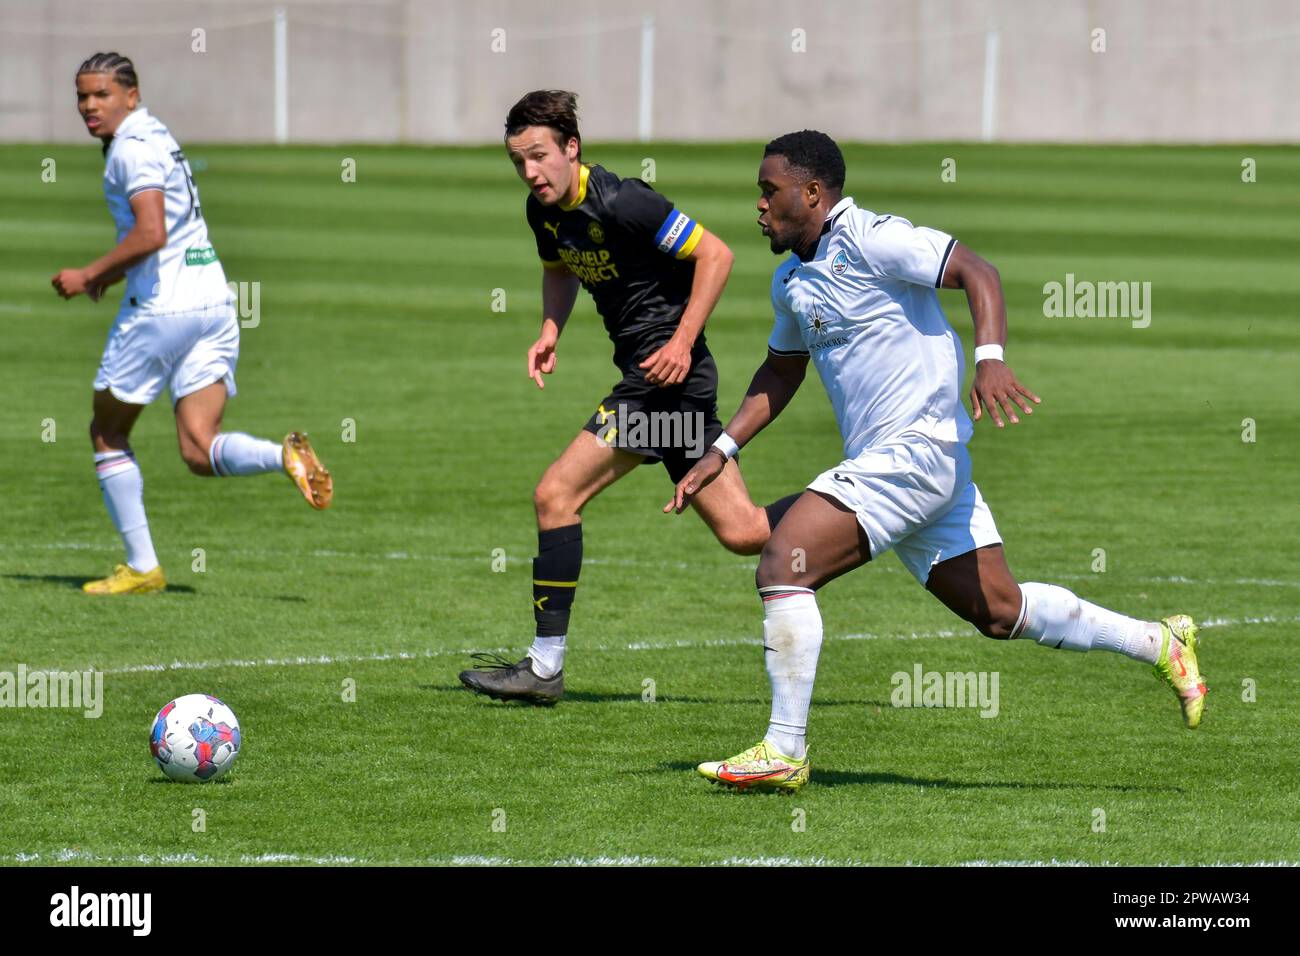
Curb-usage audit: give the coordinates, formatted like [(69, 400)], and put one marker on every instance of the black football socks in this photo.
[(555, 578)]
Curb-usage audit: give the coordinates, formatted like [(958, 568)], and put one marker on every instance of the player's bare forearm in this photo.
[(136, 246), (671, 362), (995, 387), (983, 287), (559, 292), (147, 236), (713, 260), (770, 391)]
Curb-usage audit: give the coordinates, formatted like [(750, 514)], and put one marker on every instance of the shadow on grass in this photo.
[(632, 697), (75, 582), (839, 778)]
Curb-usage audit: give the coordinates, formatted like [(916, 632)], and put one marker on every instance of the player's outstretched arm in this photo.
[(996, 386), (670, 364), (147, 236), (559, 292), (770, 391)]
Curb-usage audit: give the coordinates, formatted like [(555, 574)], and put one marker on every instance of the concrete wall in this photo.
[(887, 70)]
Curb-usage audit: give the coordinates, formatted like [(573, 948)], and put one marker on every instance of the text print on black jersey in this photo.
[(591, 266)]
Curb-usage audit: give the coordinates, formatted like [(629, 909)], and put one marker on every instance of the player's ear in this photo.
[(812, 193)]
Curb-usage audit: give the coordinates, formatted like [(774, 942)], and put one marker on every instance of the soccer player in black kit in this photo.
[(655, 275)]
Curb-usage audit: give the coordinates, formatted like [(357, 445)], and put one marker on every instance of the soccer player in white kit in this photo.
[(177, 326), (858, 297)]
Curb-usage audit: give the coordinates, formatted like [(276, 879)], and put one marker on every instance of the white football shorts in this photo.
[(182, 351), (914, 495)]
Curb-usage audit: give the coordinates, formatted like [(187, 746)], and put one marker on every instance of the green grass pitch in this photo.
[(376, 305)]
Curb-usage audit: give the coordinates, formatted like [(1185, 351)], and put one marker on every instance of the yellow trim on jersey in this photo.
[(691, 242), (582, 190), (554, 264), (556, 584)]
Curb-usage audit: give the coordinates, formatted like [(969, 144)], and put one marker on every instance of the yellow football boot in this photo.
[(305, 470), (761, 767), (1179, 668), (127, 580)]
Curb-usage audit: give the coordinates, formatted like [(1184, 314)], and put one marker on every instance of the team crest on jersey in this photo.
[(840, 264), (596, 233)]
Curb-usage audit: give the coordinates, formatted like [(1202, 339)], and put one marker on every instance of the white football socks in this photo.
[(1056, 617), (548, 656), (792, 641), (234, 453), (123, 486)]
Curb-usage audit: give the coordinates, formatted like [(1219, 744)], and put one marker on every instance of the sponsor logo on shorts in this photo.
[(624, 428), (200, 256)]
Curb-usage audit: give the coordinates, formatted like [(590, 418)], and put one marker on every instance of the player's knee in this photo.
[(197, 463), (552, 500), (743, 537), (106, 438), (774, 566), (998, 619)]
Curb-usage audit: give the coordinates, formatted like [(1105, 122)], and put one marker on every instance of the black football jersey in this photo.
[(627, 245)]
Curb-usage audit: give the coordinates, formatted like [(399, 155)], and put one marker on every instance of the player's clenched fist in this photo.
[(69, 282), (668, 365), (705, 470), (541, 357)]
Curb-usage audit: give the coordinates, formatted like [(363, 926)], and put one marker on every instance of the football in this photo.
[(195, 738)]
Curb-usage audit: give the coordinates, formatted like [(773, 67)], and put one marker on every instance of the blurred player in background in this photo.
[(177, 327), (655, 275), (858, 297)]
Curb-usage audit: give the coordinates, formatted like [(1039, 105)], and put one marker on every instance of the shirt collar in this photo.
[(834, 214), (133, 119), (578, 200), (831, 218)]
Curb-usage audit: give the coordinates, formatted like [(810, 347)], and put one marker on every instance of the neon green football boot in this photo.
[(1179, 668), (761, 767)]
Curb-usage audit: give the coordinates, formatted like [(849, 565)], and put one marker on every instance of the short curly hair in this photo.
[(813, 153)]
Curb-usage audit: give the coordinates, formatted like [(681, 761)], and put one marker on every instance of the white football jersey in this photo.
[(185, 273), (865, 308)]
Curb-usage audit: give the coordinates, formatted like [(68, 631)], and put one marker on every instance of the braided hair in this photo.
[(115, 65)]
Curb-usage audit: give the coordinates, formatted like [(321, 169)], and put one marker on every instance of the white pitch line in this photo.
[(681, 644), (172, 859), (1055, 862), (744, 564)]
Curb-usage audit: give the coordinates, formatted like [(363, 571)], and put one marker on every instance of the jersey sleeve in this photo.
[(135, 166), (547, 248), (785, 338), (645, 214), (900, 250)]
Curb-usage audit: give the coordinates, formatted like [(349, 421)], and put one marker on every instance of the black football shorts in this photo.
[(675, 425)]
